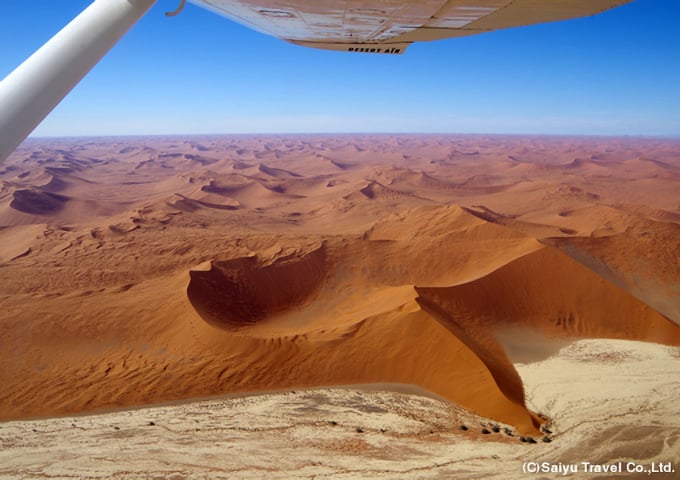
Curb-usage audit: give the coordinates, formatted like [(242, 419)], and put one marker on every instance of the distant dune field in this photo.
[(136, 271)]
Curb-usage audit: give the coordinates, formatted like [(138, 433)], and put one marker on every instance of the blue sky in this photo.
[(615, 73)]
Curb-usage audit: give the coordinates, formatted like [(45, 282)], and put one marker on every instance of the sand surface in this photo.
[(136, 271), (632, 417)]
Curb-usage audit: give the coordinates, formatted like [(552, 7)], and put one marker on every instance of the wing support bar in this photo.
[(36, 86)]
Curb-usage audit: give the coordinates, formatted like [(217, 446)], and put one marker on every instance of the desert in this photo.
[(339, 306)]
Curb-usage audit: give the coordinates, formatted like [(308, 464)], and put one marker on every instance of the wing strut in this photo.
[(31, 91)]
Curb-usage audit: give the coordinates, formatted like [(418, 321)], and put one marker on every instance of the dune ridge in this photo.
[(544, 308)]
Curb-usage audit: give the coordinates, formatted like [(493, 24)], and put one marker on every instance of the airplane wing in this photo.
[(389, 26), (31, 91)]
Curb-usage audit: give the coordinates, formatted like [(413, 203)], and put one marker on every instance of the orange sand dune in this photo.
[(137, 271), (559, 298)]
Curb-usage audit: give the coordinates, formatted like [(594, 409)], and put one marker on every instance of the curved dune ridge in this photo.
[(534, 287), (176, 269)]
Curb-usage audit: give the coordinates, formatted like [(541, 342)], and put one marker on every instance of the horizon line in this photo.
[(340, 133)]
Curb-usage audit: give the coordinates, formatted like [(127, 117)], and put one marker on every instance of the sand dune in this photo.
[(150, 270), (376, 191), (277, 172)]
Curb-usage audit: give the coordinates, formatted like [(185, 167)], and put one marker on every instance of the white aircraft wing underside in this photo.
[(389, 26)]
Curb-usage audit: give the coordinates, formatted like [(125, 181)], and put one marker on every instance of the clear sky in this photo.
[(615, 73)]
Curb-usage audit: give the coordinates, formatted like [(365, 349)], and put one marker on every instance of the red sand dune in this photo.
[(182, 268)]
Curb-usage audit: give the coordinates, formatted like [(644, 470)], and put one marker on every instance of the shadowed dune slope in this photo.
[(241, 291), (37, 202)]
